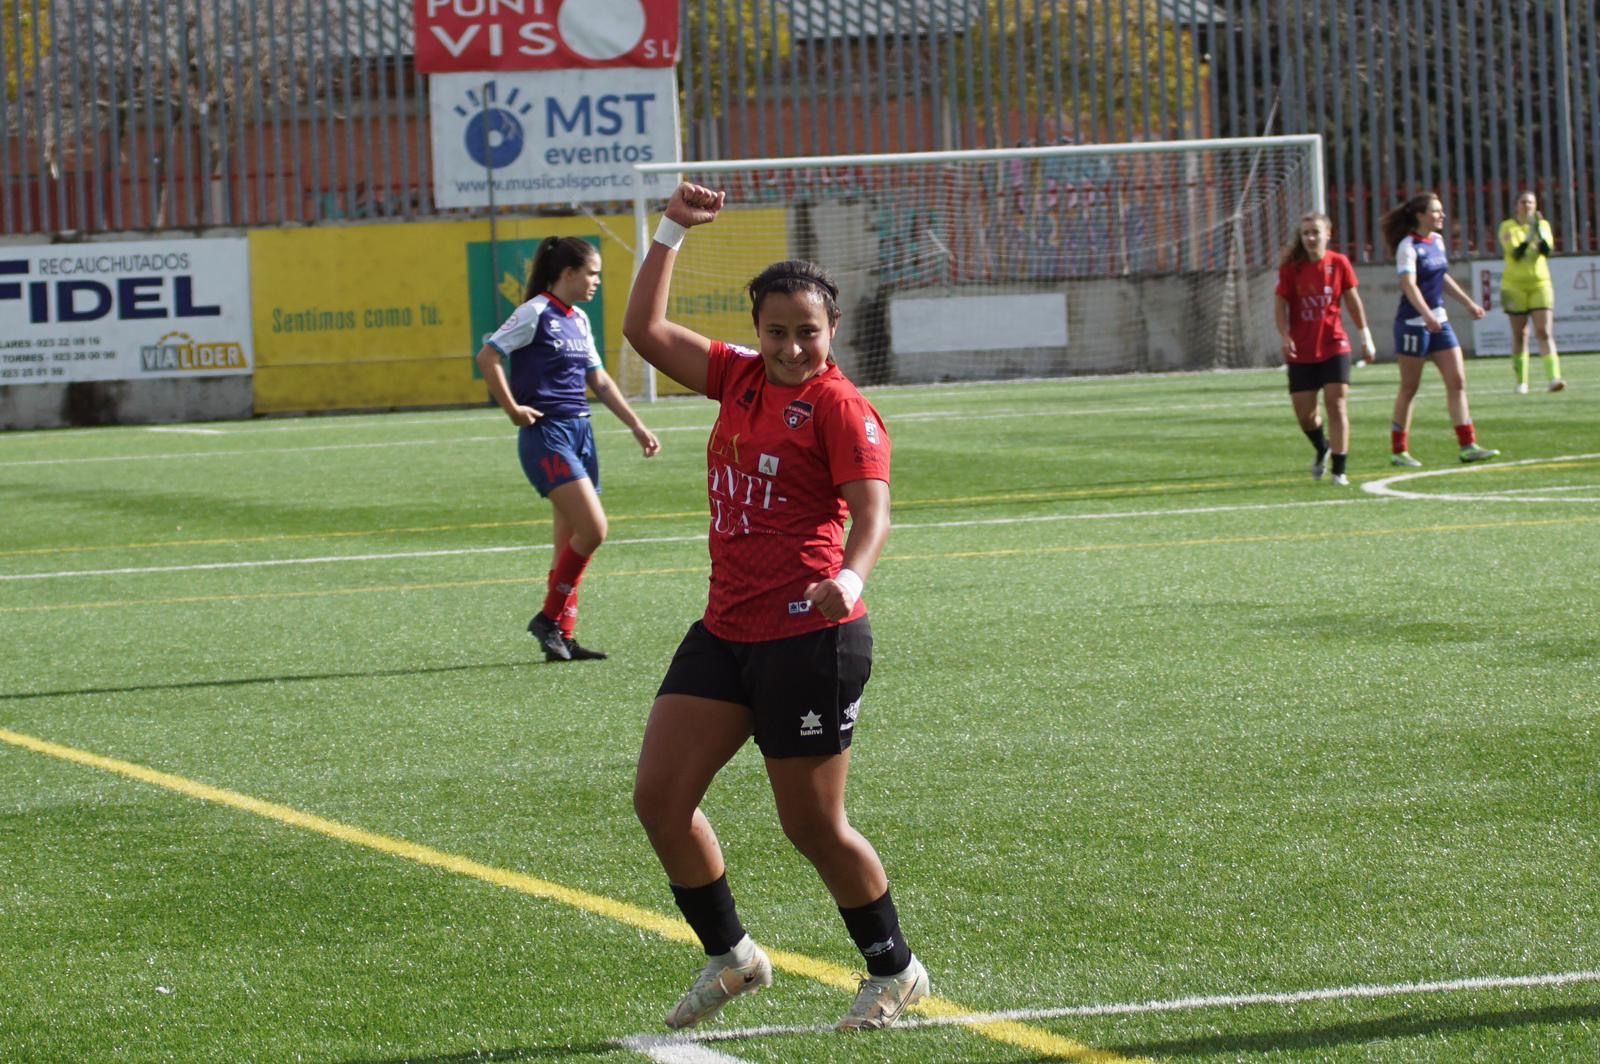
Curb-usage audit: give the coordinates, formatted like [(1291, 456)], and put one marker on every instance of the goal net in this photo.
[(995, 264)]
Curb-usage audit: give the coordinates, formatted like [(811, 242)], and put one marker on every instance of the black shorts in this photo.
[(803, 692), (1311, 376)]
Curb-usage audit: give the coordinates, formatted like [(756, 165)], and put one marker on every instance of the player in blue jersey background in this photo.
[(1413, 233), (550, 346)]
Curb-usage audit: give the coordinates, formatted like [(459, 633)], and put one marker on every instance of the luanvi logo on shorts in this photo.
[(810, 723), (180, 351)]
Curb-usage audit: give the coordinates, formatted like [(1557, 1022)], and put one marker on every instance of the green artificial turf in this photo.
[(1154, 716)]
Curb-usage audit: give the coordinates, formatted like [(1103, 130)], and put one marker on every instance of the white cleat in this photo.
[(721, 980), (881, 999), (1522, 389), (1341, 480)]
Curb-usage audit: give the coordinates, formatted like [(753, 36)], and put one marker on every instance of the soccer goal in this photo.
[(1007, 263)]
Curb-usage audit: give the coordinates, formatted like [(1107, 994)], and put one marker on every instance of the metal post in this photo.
[(488, 174)]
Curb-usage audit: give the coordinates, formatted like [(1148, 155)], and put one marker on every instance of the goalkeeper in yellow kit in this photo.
[(1526, 290)]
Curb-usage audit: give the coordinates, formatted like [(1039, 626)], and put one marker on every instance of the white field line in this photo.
[(674, 1049), (1360, 991), (508, 435), (698, 537), (1386, 486), (185, 430)]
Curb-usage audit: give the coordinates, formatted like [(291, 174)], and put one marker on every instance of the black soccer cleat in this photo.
[(550, 638), (583, 653)]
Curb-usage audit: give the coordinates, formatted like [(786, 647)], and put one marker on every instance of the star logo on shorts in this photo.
[(810, 723)]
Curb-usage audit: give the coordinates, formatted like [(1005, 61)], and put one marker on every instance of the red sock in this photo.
[(561, 601), (1399, 441), (1465, 436)]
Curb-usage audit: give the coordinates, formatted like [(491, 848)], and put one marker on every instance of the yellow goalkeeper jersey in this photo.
[(1533, 267)]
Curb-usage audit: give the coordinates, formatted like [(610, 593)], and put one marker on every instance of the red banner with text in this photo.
[(489, 35)]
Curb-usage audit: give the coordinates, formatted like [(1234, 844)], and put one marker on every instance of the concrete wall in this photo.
[(126, 402), (1117, 325)]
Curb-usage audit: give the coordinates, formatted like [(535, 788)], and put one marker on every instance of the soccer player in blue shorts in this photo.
[(1413, 233), (551, 349)]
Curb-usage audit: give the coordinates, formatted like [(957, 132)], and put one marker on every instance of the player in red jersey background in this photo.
[(784, 650), (1313, 283)]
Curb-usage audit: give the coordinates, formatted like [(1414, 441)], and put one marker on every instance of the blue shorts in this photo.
[(1418, 342), (557, 451)]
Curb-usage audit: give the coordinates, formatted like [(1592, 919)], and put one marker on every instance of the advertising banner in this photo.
[(551, 137), (1577, 310), (124, 311), (390, 316), (479, 35)]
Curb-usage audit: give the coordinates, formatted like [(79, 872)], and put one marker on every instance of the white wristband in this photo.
[(851, 581), (670, 234)]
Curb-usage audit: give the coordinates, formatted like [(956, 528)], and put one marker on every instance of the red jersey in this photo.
[(1314, 291), (776, 458)]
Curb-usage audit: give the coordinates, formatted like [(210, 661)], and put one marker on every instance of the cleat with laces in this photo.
[(580, 652), (881, 999), (723, 978), (1403, 458), (1474, 453), (550, 638)]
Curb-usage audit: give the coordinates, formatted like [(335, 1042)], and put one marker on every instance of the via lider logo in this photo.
[(494, 135)]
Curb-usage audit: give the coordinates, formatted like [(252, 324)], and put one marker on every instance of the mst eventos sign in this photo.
[(555, 136), (482, 35)]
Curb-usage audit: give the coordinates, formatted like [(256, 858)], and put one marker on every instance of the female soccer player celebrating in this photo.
[(784, 649), (552, 353), (1312, 283), (1526, 290), (1413, 235)]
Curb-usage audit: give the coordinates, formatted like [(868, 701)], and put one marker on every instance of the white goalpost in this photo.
[(1007, 263)]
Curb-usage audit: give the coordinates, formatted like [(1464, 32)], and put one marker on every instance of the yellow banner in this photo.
[(380, 316), (363, 317)]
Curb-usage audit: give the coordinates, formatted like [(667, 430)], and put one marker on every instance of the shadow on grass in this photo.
[(1355, 1033), (475, 1056), (250, 681)]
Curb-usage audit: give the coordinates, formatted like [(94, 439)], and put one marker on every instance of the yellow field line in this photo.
[(1039, 1042), (998, 552)]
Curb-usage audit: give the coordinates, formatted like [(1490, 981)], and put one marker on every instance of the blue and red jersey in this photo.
[(552, 353), (1425, 257)]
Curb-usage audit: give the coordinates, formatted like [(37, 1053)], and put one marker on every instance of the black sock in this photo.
[(1338, 463), (876, 930), (1318, 437), (710, 911)]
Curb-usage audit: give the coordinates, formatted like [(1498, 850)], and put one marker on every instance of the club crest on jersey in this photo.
[(796, 414), (872, 431)]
